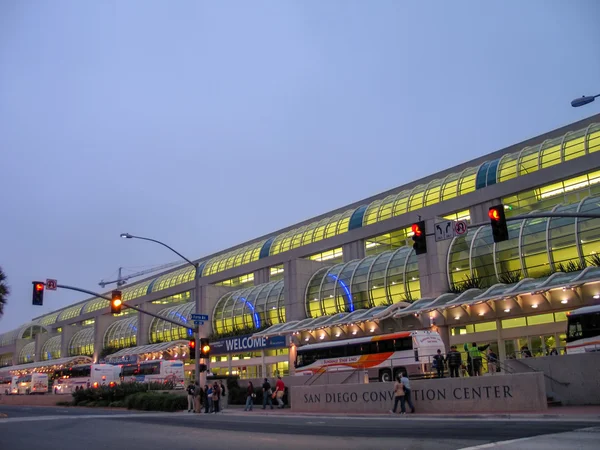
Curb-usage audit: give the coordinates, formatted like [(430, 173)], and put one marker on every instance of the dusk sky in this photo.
[(207, 124)]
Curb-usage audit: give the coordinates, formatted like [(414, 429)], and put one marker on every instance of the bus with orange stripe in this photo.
[(383, 356), (583, 330)]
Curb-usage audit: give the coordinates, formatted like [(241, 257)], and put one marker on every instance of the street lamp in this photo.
[(196, 298), (583, 100)]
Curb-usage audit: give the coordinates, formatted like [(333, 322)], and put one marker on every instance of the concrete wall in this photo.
[(339, 378), (503, 393), (579, 371)]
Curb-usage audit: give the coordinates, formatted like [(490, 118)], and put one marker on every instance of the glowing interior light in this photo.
[(306, 339), (481, 313), (597, 296), (372, 330), (507, 310), (534, 306), (564, 302), (322, 337), (354, 332), (456, 317), (337, 334)]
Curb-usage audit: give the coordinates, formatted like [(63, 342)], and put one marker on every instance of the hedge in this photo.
[(151, 401)]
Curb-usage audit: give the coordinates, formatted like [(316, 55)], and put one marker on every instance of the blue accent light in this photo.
[(356, 219), (190, 332), (254, 313), (133, 327), (265, 250), (345, 288)]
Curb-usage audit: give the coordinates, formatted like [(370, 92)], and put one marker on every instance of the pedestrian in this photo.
[(267, 392), (492, 362), (525, 352), (223, 400), (209, 402), (476, 357), (197, 398), (454, 360), (438, 363), (216, 395), (398, 396), (190, 396), (553, 352), (279, 391), (249, 396), (406, 385)]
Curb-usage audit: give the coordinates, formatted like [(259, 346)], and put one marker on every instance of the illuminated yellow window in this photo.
[(461, 215), (328, 255), (540, 319), (514, 323)]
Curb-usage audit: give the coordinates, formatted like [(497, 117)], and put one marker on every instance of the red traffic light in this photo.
[(39, 286), (416, 229), (192, 343), (494, 214)]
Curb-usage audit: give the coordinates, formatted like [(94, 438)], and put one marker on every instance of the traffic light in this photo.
[(38, 293), (116, 302), (192, 348), (419, 238), (204, 348), (498, 223)]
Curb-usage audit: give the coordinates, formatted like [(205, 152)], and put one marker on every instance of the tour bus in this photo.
[(583, 330), (155, 372), (8, 384), (84, 376), (34, 383), (384, 356)]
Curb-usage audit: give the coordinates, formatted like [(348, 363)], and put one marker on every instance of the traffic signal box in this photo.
[(38, 293), (498, 223), (116, 302), (419, 237)]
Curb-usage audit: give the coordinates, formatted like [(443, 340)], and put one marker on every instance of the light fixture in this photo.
[(306, 339), (481, 313), (596, 297), (330, 295), (315, 299), (126, 236), (372, 329), (507, 310), (374, 287), (564, 288), (565, 301), (322, 337), (337, 334), (456, 317), (393, 282), (354, 332), (534, 305)]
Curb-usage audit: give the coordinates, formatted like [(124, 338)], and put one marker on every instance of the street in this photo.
[(72, 428)]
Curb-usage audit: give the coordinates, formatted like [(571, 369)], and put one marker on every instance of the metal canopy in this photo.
[(151, 348), (50, 363)]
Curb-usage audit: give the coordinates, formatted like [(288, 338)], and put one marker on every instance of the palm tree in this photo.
[(4, 291)]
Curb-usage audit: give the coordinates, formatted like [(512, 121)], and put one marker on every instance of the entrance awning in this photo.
[(175, 349), (52, 364)]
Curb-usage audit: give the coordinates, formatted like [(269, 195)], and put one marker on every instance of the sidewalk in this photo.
[(585, 439), (570, 413)]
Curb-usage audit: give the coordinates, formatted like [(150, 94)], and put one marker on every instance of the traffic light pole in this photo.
[(542, 216)]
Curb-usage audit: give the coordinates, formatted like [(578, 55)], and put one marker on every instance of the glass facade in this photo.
[(254, 307), (235, 258), (49, 319), (122, 333), (6, 360), (376, 280), (536, 247), (27, 331), (238, 281), (82, 342), (331, 256), (51, 348), (177, 298), (276, 273), (163, 331), (27, 353), (70, 313), (388, 241), (313, 232), (171, 279), (95, 304), (135, 291)]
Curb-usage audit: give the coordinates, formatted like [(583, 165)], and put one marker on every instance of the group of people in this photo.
[(474, 363), (402, 394), (212, 397), (268, 394)]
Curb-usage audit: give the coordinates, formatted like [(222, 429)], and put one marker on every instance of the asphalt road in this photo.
[(94, 429)]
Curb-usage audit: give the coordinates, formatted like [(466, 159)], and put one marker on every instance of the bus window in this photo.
[(354, 350), (368, 348), (338, 352), (403, 344), (129, 370), (575, 331), (386, 346)]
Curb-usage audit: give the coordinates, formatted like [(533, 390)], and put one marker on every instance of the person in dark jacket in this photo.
[(438, 362), (267, 392), (454, 360)]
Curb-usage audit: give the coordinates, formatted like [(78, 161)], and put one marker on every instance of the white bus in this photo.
[(84, 376), (34, 383), (8, 384), (583, 330), (155, 372), (383, 356)]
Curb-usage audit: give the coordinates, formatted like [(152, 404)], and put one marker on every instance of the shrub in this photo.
[(108, 394), (151, 401), (119, 404), (65, 404)]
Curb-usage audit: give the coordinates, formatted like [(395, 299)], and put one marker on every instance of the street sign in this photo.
[(202, 317), (444, 230), (198, 322), (460, 227), (51, 284)]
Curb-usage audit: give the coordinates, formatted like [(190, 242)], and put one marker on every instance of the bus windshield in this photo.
[(583, 326)]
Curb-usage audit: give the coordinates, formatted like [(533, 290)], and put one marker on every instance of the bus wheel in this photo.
[(385, 376)]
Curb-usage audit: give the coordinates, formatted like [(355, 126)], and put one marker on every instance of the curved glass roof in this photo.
[(82, 342), (122, 333), (171, 279), (43, 366), (95, 304), (136, 290), (535, 248), (70, 312), (234, 258), (376, 280), (176, 349), (253, 307), (5, 360), (27, 353), (313, 232), (27, 331), (163, 331), (51, 348), (48, 319)]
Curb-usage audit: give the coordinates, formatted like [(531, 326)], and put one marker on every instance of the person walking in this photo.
[(223, 400), (398, 396), (279, 392), (454, 360), (191, 389), (216, 395), (406, 384), (438, 363), (492, 359), (249, 396), (476, 357), (267, 392)]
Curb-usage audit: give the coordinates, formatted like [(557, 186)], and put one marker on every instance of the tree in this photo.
[(4, 291)]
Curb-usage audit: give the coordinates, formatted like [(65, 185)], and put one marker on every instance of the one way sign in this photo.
[(444, 230)]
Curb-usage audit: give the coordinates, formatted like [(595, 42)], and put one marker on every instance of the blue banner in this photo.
[(246, 344)]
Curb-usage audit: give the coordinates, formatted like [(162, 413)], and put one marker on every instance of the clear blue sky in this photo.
[(206, 124)]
